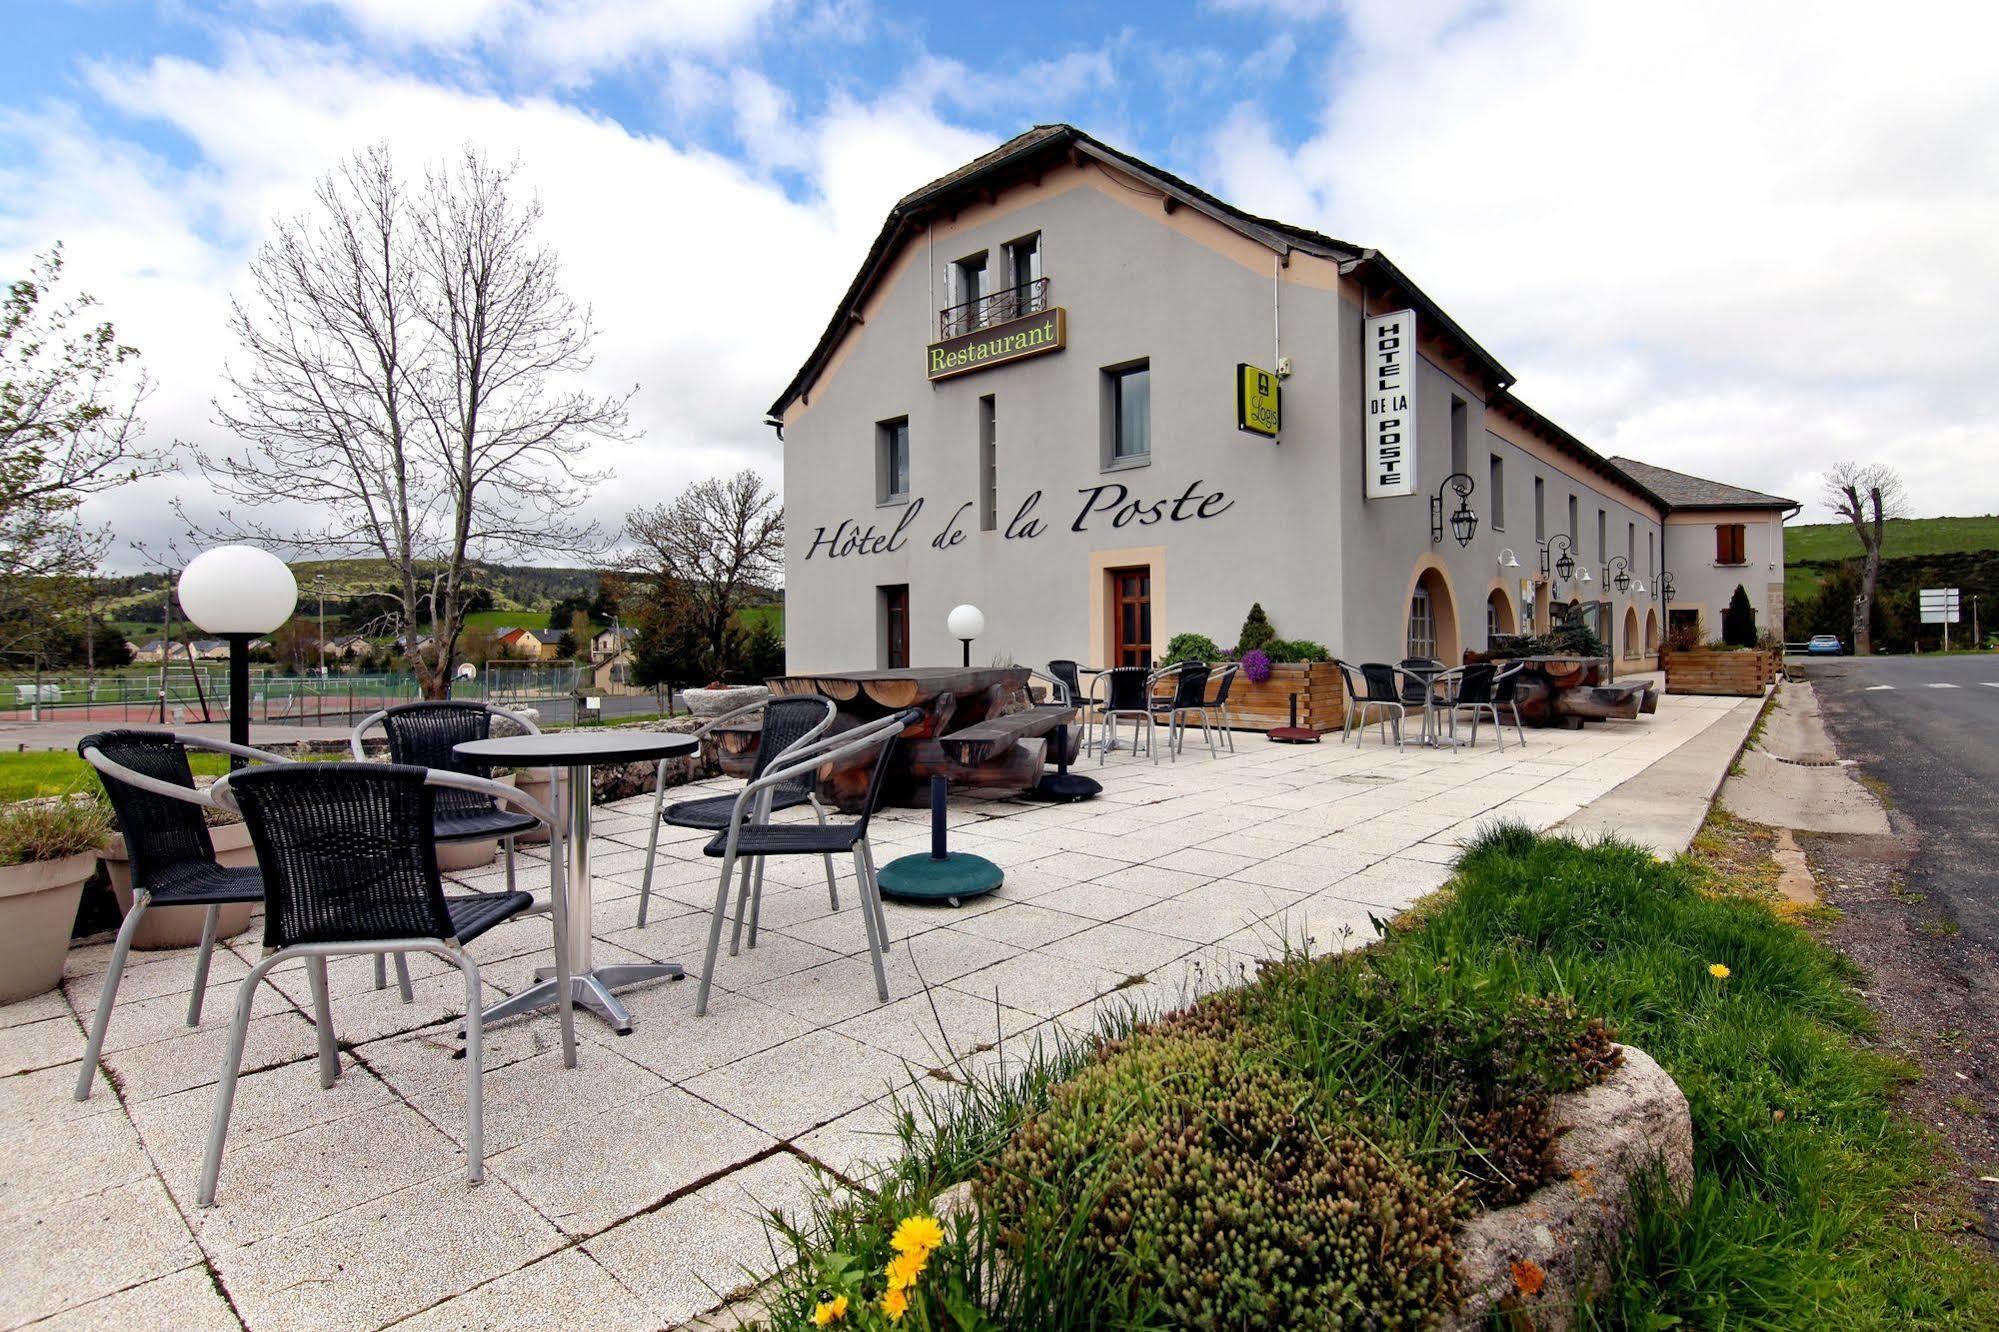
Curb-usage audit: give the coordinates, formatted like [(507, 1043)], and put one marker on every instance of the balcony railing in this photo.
[(1011, 303)]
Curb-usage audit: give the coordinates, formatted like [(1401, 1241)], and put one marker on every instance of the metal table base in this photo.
[(591, 986)]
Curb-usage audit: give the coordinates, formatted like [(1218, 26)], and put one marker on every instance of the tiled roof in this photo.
[(1682, 491)]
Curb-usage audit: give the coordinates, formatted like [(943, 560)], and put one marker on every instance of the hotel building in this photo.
[(1106, 407)]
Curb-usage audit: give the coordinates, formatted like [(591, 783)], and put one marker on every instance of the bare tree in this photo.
[(717, 543), (70, 394), (1866, 495), (402, 379)]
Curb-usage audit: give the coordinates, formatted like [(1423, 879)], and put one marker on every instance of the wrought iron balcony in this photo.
[(1010, 303)]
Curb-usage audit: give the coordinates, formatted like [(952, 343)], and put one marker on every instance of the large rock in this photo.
[(1539, 1256)]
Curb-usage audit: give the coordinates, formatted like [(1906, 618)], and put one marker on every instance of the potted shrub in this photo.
[(48, 849)]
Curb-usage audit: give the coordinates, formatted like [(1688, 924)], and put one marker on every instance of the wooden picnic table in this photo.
[(981, 728)]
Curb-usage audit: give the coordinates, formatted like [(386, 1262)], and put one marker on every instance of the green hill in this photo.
[(1806, 543)]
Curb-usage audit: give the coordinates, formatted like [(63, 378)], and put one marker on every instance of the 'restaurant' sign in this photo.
[(1391, 404), (1258, 401), (998, 344)]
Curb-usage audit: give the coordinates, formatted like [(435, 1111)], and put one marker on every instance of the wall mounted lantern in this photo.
[(1564, 567), (1508, 560), (1622, 580), (1665, 592), (966, 623), (1463, 521)]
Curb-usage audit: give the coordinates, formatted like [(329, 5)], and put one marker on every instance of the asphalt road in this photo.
[(1927, 729)]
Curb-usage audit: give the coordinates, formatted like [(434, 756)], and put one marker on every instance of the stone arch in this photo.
[(1630, 641), (1433, 581), (1651, 632)]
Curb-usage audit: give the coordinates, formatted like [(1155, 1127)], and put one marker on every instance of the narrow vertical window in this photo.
[(988, 464), (1575, 523), (892, 461), (1602, 536), (1631, 542), (1460, 436), (1023, 264), (894, 605), (1540, 509), (1128, 413), (1496, 491)]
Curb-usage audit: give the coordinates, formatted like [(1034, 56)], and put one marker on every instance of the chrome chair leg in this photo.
[(475, 1073), (832, 886), (510, 863), (715, 934), (652, 839), (875, 892), (403, 978), (211, 923), (232, 1065), (876, 925), (114, 971), (322, 1017)]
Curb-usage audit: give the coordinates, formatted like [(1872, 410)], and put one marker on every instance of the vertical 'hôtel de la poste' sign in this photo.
[(1391, 404)]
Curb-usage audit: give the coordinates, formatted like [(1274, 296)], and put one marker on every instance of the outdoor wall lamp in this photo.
[(238, 593), (1565, 565), (1463, 521), (1622, 582), (966, 623), (1665, 592), (1508, 560)]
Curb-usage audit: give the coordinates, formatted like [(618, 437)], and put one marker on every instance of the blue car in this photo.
[(1824, 645)]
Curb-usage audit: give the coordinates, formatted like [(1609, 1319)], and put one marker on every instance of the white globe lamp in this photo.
[(966, 623), (238, 593)]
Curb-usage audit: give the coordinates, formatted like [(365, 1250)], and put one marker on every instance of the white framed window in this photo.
[(1127, 433), (1422, 636)]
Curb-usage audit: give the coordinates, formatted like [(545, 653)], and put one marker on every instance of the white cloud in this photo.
[(568, 39), (708, 283), (1746, 240)]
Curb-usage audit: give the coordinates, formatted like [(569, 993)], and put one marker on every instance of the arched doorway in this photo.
[(1431, 617), (1651, 632), (1498, 615), (1630, 642)]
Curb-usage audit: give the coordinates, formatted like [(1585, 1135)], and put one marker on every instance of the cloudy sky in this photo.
[(1742, 239)]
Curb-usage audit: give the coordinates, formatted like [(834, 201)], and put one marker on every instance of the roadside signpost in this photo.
[(1939, 606)]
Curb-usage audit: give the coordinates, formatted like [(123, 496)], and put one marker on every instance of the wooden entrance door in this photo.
[(1131, 616), (895, 626)]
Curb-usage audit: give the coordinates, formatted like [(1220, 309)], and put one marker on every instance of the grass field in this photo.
[(55, 772), (1904, 536), (750, 615)]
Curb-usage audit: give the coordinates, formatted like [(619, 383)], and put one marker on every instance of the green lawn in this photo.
[(1903, 536), (59, 771), (749, 616), (1160, 1181)]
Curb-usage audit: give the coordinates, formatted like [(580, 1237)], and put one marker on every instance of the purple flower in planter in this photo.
[(1256, 665)]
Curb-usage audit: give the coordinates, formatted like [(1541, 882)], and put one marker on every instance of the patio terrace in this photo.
[(625, 1193)]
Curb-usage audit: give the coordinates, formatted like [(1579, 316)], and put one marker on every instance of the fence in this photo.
[(196, 694)]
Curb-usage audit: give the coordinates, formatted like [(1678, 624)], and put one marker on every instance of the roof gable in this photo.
[(1681, 490)]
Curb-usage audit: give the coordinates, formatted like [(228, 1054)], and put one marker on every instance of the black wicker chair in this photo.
[(787, 723), (1189, 699), (1473, 692), (1355, 691), (350, 867), (745, 837), (1067, 673), (1382, 699), (422, 735), (1127, 693), (1224, 680), (162, 819)]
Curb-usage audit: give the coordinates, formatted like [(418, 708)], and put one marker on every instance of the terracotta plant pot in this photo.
[(180, 926), (535, 783), (37, 908)]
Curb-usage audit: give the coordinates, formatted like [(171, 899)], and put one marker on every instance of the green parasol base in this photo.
[(924, 878)]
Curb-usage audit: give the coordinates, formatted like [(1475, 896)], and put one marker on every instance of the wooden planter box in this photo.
[(1740, 674), (1321, 700)]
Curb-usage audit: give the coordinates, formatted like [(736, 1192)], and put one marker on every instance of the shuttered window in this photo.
[(1730, 544)]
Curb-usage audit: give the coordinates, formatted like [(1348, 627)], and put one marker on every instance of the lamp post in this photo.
[(1463, 521), (237, 593), (966, 623), (1564, 566)]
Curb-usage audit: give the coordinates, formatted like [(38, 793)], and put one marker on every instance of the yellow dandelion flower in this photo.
[(1718, 971), (895, 1304), (904, 1268), (916, 1234), (829, 1311)]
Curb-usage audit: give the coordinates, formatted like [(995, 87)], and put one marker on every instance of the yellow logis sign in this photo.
[(1258, 401)]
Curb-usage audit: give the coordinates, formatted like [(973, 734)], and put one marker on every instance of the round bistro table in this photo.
[(575, 753)]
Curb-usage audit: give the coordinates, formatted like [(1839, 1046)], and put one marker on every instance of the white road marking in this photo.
[(1938, 684), (1872, 688)]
